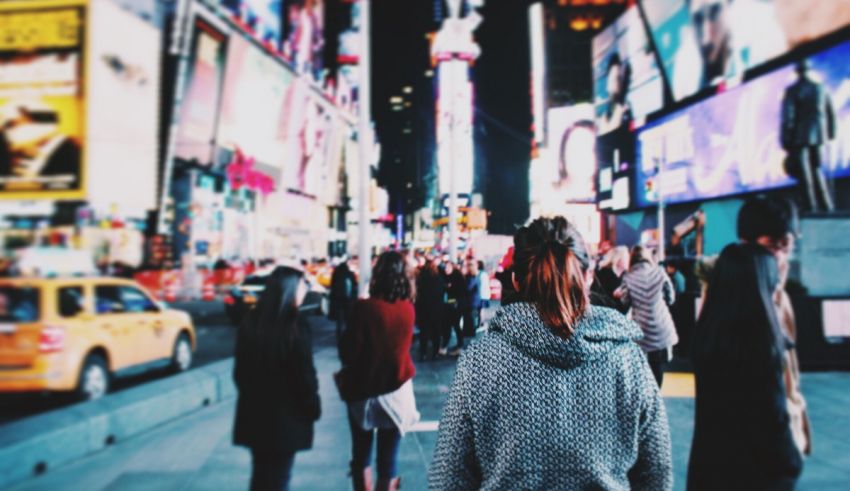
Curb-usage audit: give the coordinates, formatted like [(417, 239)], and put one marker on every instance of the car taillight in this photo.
[(229, 300), (52, 339)]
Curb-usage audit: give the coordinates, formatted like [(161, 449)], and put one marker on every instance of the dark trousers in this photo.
[(429, 333), (270, 471), (815, 193), (657, 360), (471, 321), (452, 322), (361, 450)]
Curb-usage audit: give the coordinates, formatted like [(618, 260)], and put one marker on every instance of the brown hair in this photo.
[(391, 278), (550, 260)]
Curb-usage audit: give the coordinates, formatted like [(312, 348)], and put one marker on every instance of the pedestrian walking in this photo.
[(343, 294), (742, 437), (376, 379), (430, 308), (471, 303), (278, 398), (556, 395), (649, 292), (455, 298)]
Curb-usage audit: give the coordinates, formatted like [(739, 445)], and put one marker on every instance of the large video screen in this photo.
[(198, 110), (42, 100), (704, 42), (570, 166), (627, 83), (252, 111), (305, 38), (307, 129), (264, 17), (729, 144)]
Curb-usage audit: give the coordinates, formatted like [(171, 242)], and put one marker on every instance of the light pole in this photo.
[(364, 139)]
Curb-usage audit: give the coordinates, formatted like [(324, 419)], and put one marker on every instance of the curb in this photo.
[(35, 445)]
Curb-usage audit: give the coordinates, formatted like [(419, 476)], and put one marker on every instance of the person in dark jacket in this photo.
[(472, 303), (742, 437), (430, 308), (377, 372), (343, 294), (556, 395), (456, 295), (278, 398)]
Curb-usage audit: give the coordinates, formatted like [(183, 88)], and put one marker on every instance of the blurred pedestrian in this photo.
[(343, 294), (430, 308), (609, 277), (455, 298), (471, 306), (376, 380), (771, 223), (742, 438), (484, 281), (278, 397), (649, 292), (557, 395), (676, 277)]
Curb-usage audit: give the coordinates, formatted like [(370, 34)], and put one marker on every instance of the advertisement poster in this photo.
[(42, 105), (253, 115), (203, 89), (627, 83), (123, 110), (304, 30), (307, 128), (704, 42), (570, 166), (263, 17), (729, 144)]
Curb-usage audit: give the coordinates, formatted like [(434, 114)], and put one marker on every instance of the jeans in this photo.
[(471, 321), (361, 450), (657, 360), (271, 470)]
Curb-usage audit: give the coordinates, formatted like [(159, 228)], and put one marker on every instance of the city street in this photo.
[(195, 452), (216, 336)]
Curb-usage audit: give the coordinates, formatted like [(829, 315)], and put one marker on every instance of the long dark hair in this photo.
[(391, 278), (550, 261), (739, 324), (271, 328)]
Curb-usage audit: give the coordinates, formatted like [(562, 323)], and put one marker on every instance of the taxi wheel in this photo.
[(181, 359), (94, 379)]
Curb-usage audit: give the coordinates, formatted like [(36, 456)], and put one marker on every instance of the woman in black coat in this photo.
[(742, 439), (274, 373)]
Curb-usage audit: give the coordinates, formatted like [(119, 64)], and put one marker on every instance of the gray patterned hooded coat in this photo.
[(531, 410)]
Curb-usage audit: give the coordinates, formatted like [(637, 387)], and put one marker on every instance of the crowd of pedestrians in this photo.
[(563, 390)]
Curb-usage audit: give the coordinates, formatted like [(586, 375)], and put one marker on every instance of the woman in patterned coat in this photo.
[(557, 395)]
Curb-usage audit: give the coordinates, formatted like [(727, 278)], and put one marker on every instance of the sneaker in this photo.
[(443, 352)]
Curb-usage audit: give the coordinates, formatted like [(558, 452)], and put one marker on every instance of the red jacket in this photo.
[(375, 349)]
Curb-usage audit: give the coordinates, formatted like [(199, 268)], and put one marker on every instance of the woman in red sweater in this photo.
[(377, 372)]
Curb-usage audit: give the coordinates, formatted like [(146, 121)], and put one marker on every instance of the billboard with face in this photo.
[(705, 42), (305, 37), (42, 103), (627, 83)]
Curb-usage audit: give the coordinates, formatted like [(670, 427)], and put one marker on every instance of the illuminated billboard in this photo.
[(571, 162), (42, 102), (307, 128), (198, 109), (252, 111), (304, 42), (705, 42), (627, 83), (262, 17), (729, 144), (123, 110)]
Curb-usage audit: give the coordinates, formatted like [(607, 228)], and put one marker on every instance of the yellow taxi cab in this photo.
[(77, 334)]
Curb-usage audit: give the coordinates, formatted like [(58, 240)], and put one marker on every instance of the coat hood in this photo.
[(600, 331)]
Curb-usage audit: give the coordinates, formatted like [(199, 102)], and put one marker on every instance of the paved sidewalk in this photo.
[(195, 454)]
